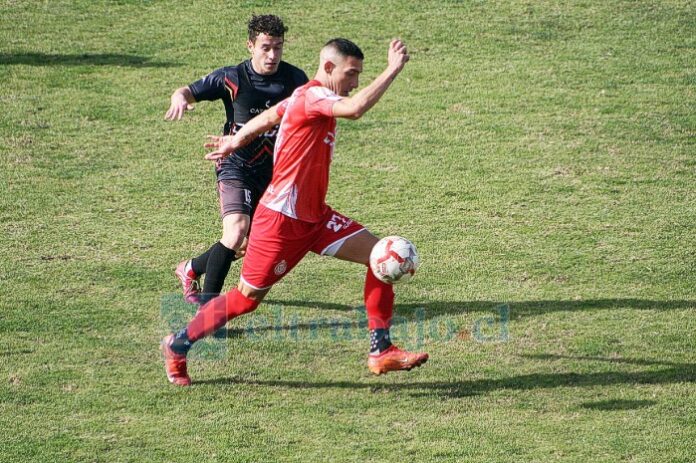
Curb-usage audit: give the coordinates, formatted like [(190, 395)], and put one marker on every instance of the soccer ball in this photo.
[(394, 259)]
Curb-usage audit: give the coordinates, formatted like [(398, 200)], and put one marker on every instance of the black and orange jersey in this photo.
[(246, 94)]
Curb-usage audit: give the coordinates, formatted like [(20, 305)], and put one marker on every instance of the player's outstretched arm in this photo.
[(355, 106), (224, 146), (181, 101)]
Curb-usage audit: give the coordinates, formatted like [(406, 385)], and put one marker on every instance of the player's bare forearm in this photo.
[(356, 106), (224, 146), (258, 125)]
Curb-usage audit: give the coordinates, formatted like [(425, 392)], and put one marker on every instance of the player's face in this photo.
[(266, 52), (346, 74)]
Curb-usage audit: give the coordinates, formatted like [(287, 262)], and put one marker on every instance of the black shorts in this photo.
[(237, 197)]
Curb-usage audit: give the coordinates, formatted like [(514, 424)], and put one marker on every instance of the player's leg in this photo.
[(379, 299), (218, 258), (235, 226), (237, 201), (357, 248), (276, 245), (379, 296), (223, 253), (212, 316)]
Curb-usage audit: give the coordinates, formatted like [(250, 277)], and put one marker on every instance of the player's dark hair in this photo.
[(268, 24), (345, 48)]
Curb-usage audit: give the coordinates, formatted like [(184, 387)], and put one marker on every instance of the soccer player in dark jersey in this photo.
[(293, 217), (246, 90)]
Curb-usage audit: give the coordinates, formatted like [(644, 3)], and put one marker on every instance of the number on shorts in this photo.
[(337, 223)]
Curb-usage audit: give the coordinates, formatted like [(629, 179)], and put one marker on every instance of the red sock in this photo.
[(216, 312), (379, 302)]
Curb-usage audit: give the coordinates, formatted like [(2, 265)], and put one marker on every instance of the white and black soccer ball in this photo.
[(394, 259)]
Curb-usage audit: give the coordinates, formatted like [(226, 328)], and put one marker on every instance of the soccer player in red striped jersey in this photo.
[(293, 217)]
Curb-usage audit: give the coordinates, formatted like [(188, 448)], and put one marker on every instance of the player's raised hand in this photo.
[(222, 146), (398, 55), (178, 107)]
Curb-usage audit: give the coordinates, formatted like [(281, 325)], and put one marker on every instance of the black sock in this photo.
[(219, 262), (181, 343), (198, 264), (379, 340)]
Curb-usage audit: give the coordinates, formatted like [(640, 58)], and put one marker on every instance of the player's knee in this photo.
[(240, 304), (234, 231), (232, 242), (251, 292), (232, 238)]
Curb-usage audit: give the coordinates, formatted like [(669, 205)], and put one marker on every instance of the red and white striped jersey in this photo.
[(303, 152)]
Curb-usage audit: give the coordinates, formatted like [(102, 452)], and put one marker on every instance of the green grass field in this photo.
[(542, 155)]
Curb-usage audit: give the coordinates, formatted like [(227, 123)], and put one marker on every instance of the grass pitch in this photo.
[(540, 154)]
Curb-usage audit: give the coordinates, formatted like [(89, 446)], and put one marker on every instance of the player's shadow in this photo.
[(674, 373), (255, 331), (518, 309), (82, 59), (594, 358), (278, 321)]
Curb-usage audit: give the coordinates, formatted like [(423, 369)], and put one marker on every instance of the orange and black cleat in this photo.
[(174, 363), (394, 359)]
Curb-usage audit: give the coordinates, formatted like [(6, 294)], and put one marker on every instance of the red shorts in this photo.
[(277, 243)]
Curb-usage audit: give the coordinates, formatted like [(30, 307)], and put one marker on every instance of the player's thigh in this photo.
[(251, 292), (236, 197), (276, 245), (235, 225), (342, 237), (357, 248)]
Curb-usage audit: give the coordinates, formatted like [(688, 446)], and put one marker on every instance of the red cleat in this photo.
[(394, 359), (189, 282), (174, 363)]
